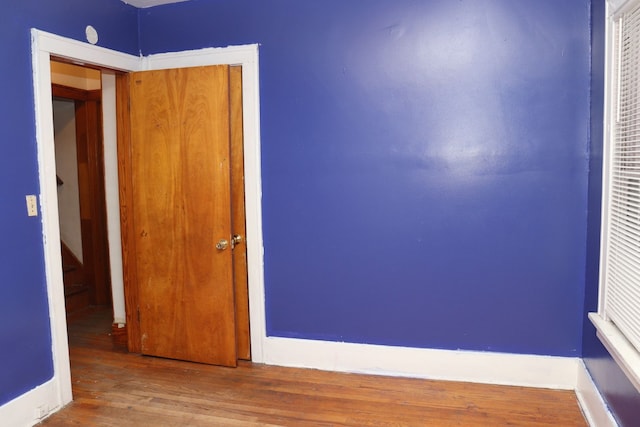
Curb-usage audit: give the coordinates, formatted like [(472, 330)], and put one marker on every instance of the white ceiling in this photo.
[(149, 3)]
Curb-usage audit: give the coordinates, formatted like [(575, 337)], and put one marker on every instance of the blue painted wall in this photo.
[(424, 165), (620, 394), (25, 340)]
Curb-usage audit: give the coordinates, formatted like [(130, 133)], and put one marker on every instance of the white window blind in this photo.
[(622, 261), (622, 270), (618, 318)]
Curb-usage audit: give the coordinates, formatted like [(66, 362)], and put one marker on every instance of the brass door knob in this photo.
[(222, 245), (235, 240)]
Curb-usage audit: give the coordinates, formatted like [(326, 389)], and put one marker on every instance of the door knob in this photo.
[(222, 245), (235, 240)]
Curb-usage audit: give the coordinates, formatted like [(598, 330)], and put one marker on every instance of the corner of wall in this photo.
[(33, 406), (593, 406)]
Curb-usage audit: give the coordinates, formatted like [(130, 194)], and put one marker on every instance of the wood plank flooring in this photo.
[(114, 388)]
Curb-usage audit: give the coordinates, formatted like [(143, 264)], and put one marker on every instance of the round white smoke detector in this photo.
[(92, 34)]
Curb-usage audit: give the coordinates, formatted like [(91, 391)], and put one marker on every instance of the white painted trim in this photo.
[(142, 4), (607, 138), (61, 381), (231, 55), (593, 406), (247, 56), (31, 407), (618, 7), (449, 365), (622, 351), (43, 46), (112, 194), (84, 53)]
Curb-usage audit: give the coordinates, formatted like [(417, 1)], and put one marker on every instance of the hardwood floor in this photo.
[(114, 388)]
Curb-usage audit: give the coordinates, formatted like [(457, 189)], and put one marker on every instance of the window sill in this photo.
[(622, 351)]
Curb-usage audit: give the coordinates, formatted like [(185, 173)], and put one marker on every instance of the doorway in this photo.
[(46, 45), (77, 117)]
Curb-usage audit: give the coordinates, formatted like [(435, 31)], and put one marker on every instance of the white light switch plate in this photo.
[(32, 205)]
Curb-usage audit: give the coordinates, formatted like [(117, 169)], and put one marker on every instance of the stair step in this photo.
[(75, 288), (69, 268)]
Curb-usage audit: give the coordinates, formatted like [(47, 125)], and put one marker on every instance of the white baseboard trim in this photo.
[(477, 367), (31, 407), (593, 406)]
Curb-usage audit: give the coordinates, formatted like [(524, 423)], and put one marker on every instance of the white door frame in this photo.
[(44, 45)]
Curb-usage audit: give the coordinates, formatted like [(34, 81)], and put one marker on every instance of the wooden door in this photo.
[(238, 217), (180, 210)]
